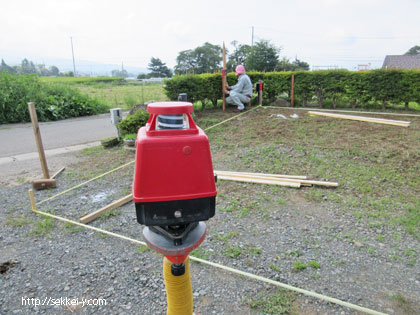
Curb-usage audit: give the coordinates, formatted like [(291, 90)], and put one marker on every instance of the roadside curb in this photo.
[(48, 153)]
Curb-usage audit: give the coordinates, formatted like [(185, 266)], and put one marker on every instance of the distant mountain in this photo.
[(83, 67)]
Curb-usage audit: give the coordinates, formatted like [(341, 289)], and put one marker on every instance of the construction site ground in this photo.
[(358, 242)]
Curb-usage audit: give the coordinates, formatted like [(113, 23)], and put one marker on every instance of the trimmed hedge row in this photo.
[(52, 101), (336, 87)]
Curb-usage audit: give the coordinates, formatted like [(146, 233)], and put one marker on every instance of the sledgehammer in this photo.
[(46, 182)]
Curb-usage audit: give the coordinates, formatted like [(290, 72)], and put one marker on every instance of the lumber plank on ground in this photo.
[(118, 203), (261, 174), (260, 181), (400, 123), (303, 182), (58, 172)]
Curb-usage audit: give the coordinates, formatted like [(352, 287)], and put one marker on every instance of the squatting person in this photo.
[(241, 92)]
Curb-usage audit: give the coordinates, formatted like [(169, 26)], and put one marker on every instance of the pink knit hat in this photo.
[(240, 70)]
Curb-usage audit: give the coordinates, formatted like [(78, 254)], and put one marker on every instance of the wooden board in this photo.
[(118, 203), (400, 123), (58, 172), (259, 181), (260, 174), (303, 182)]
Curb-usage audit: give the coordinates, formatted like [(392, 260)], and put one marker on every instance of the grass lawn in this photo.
[(126, 95), (376, 166), (113, 91)]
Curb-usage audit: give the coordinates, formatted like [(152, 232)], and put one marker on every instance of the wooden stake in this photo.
[(38, 139), (32, 198), (224, 81), (400, 123), (292, 93), (116, 204)]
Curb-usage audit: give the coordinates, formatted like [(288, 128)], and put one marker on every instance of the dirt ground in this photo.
[(358, 243)]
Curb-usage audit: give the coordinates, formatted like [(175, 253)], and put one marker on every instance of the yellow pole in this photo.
[(178, 289)]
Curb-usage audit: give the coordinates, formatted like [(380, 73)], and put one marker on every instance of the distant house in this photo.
[(401, 62)]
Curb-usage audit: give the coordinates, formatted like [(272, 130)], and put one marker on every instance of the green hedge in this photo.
[(373, 88), (52, 101)]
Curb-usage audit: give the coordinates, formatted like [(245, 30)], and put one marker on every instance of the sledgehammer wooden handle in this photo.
[(38, 139)]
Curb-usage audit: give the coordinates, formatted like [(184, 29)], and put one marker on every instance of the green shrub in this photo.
[(370, 89), (132, 123), (52, 101), (130, 136)]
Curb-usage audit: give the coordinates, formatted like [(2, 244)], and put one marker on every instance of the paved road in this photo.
[(17, 139)]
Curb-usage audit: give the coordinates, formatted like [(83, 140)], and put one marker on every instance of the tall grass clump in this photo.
[(53, 102)]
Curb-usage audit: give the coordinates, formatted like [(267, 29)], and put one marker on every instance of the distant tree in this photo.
[(42, 71), (142, 76), (263, 56), (119, 73), (185, 62), (158, 69), (203, 59), (5, 67), (68, 74), (285, 65), (301, 65), (238, 57), (208, 58), (27, 67), (413, 51), (54, 71)]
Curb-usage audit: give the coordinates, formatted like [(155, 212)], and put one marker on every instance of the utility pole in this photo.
[(72, 52), (252, 41)]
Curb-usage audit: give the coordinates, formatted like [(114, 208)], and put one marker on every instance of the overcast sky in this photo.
[(325, 32)]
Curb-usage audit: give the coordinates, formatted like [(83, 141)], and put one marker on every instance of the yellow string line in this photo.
[(231, 118), (90, 180), (131, 162), (236, 271)]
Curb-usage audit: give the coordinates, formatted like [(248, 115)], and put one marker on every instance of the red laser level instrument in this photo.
[(174, 185)]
